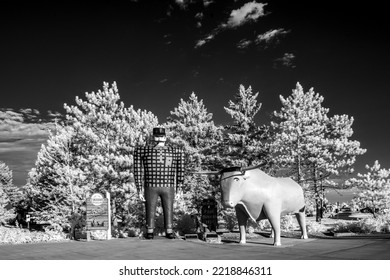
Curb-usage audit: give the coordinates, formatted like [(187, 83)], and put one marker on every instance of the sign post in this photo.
[(28, 219), (108, 196), (98, 214)]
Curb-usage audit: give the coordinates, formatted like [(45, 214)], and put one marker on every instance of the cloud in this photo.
[(25, 123), (251, 11), (199, 17), (265, 40), (206, 3), (271, 36), (54, 115), (203, 41), (183, 3), (200, 43), (244, 43), (287, 60)]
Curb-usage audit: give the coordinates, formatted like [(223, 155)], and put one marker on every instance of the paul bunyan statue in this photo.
[(158, 172)]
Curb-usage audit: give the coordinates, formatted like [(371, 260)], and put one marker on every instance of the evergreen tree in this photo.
[(342, 151), (374, 187), (311, 144), (57, 185), (6, 211), (92, 152), (191, 127), (246, 142)]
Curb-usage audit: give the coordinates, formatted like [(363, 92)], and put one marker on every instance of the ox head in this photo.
[(231, 182)]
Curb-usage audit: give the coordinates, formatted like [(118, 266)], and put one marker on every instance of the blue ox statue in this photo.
[(258, 196)]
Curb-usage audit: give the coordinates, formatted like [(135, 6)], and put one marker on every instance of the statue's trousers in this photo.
[(167, 195)]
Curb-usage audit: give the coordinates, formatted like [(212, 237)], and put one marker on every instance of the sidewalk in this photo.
[(355, 248)]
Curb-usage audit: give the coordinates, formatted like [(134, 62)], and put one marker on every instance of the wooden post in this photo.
[(109, 215)]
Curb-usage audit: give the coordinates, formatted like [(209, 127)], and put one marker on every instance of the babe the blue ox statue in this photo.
[(258, 196)]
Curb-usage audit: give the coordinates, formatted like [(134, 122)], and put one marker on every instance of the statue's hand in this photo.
[(141, 197)]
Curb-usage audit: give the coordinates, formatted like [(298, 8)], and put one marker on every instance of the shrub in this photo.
[(186, 225), (229, 216), (314, 227), (287, 223), (133, 232), (346, 226), (264, 225), (98, 234), (380, 223), (11, 235)]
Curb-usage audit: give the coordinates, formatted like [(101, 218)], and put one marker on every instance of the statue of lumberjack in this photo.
[(158, 169)]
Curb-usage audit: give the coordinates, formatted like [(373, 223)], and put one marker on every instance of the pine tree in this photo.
[(92, 152), (314, 146), (246, 142), (6, 211), (56, 187), (374, 187), (191, 127)]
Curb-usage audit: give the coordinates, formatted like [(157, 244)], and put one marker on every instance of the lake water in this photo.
[(340, 195)]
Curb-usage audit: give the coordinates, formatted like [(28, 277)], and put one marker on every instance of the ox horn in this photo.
[(206, 172), (252, 167)]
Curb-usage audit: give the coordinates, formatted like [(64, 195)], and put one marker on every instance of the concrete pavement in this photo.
[(356, 248)]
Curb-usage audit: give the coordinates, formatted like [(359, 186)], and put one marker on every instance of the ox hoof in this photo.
[(277, 244), (304, 237), (242, 242)]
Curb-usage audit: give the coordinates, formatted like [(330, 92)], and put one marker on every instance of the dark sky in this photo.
[(161, 51)]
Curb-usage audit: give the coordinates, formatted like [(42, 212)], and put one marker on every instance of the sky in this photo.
[(161, 51)]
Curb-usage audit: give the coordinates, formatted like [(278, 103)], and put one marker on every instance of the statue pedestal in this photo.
[(191, 236), (211, 237)]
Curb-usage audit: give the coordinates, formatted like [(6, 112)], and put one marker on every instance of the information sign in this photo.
[(209, 214), (97, 212)]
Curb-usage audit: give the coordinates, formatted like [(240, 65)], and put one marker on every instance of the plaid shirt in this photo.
[(158, 167)]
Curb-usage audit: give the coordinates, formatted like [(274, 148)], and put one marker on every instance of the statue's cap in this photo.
[(159, 131)]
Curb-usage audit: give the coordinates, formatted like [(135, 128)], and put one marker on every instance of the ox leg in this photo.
[(242, 219), (274, 219), (272, 234), (302, 224)]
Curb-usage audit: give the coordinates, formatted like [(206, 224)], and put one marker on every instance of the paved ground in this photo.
[(353, 248)]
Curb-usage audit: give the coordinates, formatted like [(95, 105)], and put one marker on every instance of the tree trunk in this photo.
[(299, 177), (317, 200), (321, 201), (114, 220)]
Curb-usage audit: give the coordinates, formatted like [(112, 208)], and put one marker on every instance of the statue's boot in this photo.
[(170, 234)]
